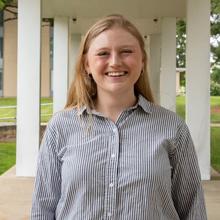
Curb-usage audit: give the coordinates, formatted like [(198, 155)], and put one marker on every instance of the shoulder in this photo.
[(62, 118), (160, 114), (165, 113), (170, 120)]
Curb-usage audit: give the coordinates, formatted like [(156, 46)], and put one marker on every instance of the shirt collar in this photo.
[(142, 102), (81, 110)]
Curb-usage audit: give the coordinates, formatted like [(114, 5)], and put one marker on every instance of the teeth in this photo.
[(116, 73)]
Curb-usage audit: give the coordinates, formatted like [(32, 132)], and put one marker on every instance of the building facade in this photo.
[(8, 56)]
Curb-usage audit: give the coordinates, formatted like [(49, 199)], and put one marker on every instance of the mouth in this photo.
[(116, 73)]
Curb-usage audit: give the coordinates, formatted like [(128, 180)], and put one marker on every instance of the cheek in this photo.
[(97, 64), (136, 64)]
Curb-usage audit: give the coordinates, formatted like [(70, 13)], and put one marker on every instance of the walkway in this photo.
[(16, 193)]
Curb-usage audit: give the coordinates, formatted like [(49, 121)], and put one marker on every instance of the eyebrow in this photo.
[(120, 47)]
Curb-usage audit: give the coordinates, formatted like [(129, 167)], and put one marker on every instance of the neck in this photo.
[(111, 105)]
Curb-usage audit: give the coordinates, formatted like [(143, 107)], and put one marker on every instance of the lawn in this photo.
[(215, 148), (7, 150), (7, 156), (46, 110), (215, 108)]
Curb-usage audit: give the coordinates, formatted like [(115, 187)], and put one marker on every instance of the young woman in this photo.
[(112, 153)]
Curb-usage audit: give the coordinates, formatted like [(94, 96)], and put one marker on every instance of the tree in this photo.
[(9, 6), (6, 3), (215, 31), (215, 36), (215, 76), (181, 43), (215, 81), (215, 45)]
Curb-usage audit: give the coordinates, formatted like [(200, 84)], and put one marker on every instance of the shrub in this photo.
[(214, 89)]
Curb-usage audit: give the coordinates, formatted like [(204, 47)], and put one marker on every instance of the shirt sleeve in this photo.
[(187, 192), (48, 181)]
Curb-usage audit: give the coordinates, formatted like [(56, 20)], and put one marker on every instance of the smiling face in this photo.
[(115, 61)]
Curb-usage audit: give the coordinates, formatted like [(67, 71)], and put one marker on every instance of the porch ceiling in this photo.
[(130, 8), (141, 12)]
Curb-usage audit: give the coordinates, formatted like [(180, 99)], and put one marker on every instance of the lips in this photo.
[(116, 74)]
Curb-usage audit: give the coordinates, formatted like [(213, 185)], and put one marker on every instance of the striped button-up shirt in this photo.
[(142, 167)]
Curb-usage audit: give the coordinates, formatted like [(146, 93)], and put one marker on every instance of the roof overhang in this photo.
[(146, 14)]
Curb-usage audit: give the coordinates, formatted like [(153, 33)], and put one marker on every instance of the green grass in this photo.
[(215, 131), (46, 111), (7, 156), (8, 101), (180, 106), (214, 102), (7, 150), (215, 148)]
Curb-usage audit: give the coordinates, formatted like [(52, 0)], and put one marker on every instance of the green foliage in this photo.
[(181, 44), (215, 30), (183, 79), (5, 3), (215, 76), (215, 7), (1, 5), (214, 89), (215, 82), (215, 49), (215, 33)]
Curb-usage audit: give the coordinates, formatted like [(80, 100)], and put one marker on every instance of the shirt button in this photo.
[(111, 184), (115, 130), (113, 156)]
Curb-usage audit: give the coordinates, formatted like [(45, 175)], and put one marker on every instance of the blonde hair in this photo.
[(83, 91)]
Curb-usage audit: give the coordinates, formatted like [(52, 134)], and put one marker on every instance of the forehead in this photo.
[(115, 36)]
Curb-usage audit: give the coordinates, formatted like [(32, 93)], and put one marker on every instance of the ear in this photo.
[(142, 66), (143, 60), (86, 66)]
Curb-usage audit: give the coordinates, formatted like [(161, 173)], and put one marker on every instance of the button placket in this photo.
[(113, 156), (111, 181)]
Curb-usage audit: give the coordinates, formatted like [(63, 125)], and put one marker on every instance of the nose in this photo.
[(115, 59)]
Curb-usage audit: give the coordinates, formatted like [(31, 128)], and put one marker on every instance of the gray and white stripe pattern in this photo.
[(143, 167)]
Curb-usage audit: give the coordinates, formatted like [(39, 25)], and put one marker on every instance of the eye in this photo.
[(103, 53), (126, 51)]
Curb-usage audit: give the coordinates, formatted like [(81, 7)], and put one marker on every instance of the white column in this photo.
[(73, 52), (28, 86), (154, 65), (168, 64), (60, 62), (197, 80)]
